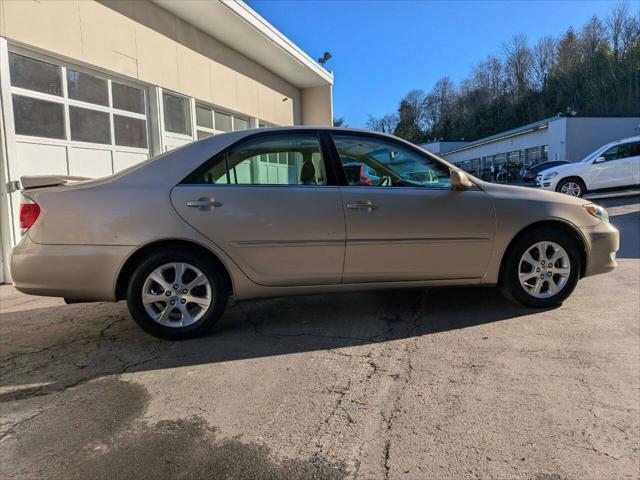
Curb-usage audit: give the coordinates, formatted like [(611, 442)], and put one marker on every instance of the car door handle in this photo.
[(204, 204), (362, 205)]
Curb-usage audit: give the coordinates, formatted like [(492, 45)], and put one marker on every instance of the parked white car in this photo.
[(614, 165)]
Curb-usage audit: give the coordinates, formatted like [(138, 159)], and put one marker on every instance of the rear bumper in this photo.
[(604, 242), (83, 272)]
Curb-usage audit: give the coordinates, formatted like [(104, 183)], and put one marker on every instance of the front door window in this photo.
[(374, 162)]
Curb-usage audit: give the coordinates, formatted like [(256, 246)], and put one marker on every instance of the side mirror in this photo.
[(460, 180), (599, 160)]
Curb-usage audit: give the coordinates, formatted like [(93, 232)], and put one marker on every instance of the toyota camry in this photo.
[(275, 212)]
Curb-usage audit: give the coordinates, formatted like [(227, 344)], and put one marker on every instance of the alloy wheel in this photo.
[(177, 294), (544, 269), (571, 188)]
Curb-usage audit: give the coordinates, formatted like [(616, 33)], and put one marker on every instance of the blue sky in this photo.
[(382, 48)]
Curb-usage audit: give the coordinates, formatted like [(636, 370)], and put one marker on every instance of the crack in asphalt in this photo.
[(63, 385), (387, 467), (12, 359), (377, 359), (256, 328), (19, 423), (404, 378)]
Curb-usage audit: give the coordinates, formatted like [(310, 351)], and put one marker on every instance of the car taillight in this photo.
[(29, 213)]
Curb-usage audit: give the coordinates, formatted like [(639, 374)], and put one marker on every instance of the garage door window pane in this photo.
[(87, 88), (127, 98), (35, 75), (204, 118), (38, 118), (89, 125), (130, 132), (177, 116), (223, 122), (240, 124), (202, 134)]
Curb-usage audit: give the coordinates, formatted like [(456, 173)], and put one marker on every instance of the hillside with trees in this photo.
[(594, 70)]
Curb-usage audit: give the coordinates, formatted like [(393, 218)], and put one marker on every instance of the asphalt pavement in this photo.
[(432, 383)]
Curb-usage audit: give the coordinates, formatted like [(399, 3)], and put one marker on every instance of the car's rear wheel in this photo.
[(541, 268), (176, 295), (572, 186)]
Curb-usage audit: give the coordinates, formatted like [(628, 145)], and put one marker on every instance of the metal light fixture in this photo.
[(324, 58)]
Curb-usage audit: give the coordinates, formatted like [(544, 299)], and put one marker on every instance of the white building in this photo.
[(91, 87), (555, 138), (439, 147)]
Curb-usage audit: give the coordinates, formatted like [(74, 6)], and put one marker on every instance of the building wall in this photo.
[(142, 41), (584, 135), (317, 106), (524, 141), (557, 139)]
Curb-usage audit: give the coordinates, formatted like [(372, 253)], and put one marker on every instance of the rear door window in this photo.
[(290, 159)]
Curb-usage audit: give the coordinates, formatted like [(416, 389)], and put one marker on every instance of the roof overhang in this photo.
[(237, 25)]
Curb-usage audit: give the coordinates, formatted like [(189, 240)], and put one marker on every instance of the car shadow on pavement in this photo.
[(48, 350)]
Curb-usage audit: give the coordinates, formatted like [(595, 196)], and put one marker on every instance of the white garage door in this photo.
[(70, 121)]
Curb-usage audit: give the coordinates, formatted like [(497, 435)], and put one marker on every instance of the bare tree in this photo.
[(415, 102), (439, 105), (592, 37), (630, 33), (385, 124), (615, 25), (544, 59), (518, 61), (339, 122), (495, 70), (487, 79), (623, 29), (412, 120), (568, 51)]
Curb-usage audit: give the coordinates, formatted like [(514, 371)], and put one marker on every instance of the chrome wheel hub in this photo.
[(571, 188), (176, 295), (544, 269)]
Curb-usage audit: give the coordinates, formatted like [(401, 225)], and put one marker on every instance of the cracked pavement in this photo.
[(437, 383)]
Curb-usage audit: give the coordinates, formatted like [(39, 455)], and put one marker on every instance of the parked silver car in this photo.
[(270, 212)]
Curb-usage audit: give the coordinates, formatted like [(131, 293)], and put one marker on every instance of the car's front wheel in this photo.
[(572, 186), (541, 268), (176, 295)]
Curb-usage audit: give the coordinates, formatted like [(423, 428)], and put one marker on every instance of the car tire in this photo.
[(524, 268), (173, 308), (573, 186)]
